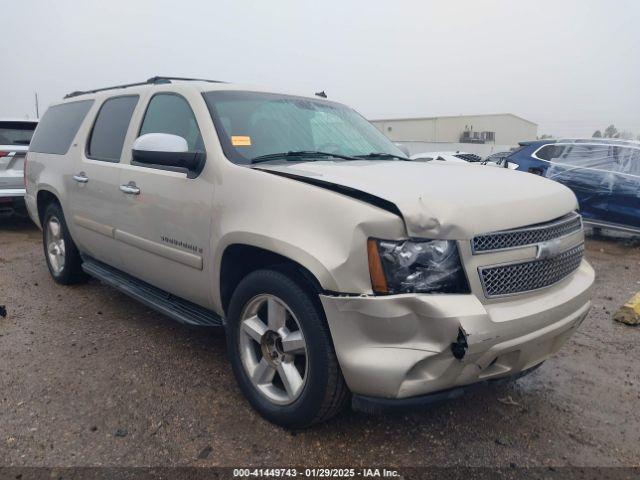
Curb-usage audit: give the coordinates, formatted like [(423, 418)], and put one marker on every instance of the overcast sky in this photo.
[(571, 66)]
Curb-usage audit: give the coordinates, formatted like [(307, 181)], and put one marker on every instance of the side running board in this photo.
[(175, 307)]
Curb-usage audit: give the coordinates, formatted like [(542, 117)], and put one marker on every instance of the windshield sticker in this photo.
[(240, 141)]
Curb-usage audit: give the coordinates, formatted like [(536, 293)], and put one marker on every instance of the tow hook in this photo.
[(459, 347)]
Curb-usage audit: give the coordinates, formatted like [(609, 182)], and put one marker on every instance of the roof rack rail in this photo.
[(157, 80)]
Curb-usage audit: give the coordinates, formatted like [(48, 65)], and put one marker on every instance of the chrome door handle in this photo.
[(81, 177), (130, 188)]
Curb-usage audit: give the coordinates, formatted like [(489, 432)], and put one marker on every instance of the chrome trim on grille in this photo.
[(515, 278), (526, 236)]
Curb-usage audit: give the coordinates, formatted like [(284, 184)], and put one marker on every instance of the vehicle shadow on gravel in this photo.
[(16, 224)]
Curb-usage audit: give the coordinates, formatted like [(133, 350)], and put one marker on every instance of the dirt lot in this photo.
[(90, 377)]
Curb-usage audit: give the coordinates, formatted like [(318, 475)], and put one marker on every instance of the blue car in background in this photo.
[(603, 173)]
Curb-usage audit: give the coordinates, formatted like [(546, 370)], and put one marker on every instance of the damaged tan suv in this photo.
[(339, 269)]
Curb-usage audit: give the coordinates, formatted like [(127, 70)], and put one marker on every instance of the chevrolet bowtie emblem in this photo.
[(549, 249)]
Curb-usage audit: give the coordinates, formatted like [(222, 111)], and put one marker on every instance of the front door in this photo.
[(164, 219)]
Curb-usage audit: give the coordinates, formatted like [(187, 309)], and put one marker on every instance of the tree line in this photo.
[(612, 132)]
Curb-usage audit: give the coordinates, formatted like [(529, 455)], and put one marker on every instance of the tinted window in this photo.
[(169, 113), (110, 128), (549, 152), (16, 133), (58, 126)]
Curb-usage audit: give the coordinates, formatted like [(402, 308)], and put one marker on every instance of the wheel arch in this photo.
[(44, 197), (240, 259)]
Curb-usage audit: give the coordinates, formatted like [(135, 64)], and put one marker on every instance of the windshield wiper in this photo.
[(382, 155), (298, 154)]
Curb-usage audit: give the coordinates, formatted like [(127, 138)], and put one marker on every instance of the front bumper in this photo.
[(399, 346)]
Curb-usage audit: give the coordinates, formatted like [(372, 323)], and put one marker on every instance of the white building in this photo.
[(481, 134)]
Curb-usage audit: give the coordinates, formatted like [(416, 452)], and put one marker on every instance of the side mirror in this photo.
[(166, 150)]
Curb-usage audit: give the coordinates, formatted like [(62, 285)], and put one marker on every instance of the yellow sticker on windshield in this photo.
[(240, 141)]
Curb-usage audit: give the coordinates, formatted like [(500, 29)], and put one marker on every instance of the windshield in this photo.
[(252, 125), (16, 133)]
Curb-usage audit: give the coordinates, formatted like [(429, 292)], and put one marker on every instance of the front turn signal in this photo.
[(378, 280)]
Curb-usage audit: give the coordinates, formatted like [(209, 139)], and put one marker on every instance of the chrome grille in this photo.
[(532, 275), (531, 235)]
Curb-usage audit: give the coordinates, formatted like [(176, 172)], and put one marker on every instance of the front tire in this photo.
[(60, 252), (281, 351)]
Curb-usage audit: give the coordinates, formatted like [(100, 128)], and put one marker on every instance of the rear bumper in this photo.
[(400, 346), (12, 202), (12, 192)]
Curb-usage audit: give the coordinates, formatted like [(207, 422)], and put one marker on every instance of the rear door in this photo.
[(624, 204), (163, 227), (95, 191)]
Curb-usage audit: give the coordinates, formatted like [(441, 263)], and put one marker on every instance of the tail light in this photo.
[(4, 154)]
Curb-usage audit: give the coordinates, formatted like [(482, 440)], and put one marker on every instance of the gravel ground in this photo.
[(90, 377)]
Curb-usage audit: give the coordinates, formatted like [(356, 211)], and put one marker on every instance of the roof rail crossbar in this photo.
[(157, 80)]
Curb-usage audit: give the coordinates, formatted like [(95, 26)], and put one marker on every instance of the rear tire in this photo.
[(263, 351), (60, 252)]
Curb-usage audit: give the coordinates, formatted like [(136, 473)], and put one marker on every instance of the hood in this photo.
[(441, 199)]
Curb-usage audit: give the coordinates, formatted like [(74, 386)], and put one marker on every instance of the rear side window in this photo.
[(16, 133), (170, 113), (110, 128), (599, 157), (549, 152), (58, 126)]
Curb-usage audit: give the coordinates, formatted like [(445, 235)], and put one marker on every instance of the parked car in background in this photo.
[(455, 157), (15, 136), (603, 173), (499, 159), (339, 269)]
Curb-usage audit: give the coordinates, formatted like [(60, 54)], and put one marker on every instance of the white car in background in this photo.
[(455, 157), (15, 136), (461, 157)]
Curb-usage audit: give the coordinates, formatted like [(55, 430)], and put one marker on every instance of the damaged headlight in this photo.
[(430, 266)]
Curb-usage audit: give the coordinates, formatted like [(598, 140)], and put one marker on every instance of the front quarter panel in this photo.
[(324, 231)]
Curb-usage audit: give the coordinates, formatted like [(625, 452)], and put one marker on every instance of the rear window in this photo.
[(468, 157), (110, 128), (16, 133), (58, 126)]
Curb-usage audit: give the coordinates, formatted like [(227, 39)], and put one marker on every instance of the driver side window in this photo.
[(171, 113)]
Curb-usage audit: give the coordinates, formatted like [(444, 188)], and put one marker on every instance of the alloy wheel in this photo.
[(55, 245), (273, 349)]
